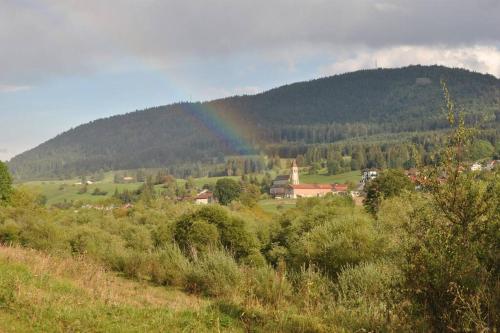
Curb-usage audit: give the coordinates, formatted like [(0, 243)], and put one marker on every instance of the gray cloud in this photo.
[(45, 38)]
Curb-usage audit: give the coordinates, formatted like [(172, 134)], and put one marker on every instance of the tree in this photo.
[(451, 256), (388, 184), (227, 190), (314, 169), (250, 195), (190, 185), (5, 183), (333, 167), (481, 149)]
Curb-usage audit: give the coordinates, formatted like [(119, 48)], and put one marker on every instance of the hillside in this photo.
[(44, 293), (329, 109)]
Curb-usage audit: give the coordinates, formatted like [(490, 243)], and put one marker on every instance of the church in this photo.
[(289, 186)]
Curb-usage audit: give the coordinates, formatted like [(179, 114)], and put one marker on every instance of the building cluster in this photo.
[(486, 166), (289, 186)]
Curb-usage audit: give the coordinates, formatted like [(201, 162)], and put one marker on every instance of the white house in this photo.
[(369, 174), (476, 167)]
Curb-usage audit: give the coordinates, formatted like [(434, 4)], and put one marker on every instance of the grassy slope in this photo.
[(41, 293)]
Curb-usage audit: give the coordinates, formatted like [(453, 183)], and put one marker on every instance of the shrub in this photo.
[(367, 298), (10, 232), (136, 264), (137, 238), (388, 184), (268, 286), (367, 282), (337, 243), (214, 274), (211, 225), (169, 266), (313, 290)]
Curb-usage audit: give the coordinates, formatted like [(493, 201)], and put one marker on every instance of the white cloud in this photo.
[(484, 59)]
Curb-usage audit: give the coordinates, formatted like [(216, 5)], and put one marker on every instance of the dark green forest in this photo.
[(371, 108)]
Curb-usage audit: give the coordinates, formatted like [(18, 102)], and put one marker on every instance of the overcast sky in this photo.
[(65, 62)]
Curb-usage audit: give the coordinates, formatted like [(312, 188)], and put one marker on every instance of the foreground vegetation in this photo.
[(325, 265)]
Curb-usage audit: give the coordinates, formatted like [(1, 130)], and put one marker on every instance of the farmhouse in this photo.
[(369, 174), (205, 197), (476, 167)]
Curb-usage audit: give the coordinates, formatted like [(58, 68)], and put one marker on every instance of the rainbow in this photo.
[(228, 130)]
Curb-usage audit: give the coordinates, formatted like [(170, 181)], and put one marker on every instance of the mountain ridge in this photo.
[(348, 105)]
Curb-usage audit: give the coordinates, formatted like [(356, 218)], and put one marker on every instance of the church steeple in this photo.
[(294, 175)]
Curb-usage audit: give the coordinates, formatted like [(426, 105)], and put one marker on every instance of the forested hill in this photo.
[(329, 109)]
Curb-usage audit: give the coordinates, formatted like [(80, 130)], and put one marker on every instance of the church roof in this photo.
[(282, 177), (312, 186), (332, 187)]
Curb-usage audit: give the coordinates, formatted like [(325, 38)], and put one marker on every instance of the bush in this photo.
[(313, 290), (169, 266), (367, 298), (10, 232), (367, 282), (337, 243), (210, 225), (268, 286), (214, 274)]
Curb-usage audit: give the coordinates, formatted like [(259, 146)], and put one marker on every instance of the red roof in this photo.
[(204, 195), (332, 187), (340, 187), (312, 186)]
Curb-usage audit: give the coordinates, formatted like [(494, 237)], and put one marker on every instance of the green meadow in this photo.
[(323, 177)]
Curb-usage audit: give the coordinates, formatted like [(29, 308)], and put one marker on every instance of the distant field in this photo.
[(58, 191), (199, 182), (353, 176), (276, 205)]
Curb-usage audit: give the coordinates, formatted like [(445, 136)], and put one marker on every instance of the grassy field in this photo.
[(42, 293), (60, 191), (276, 205), (322, 177)]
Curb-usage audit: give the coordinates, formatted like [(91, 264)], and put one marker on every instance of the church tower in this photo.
[(294, 176)]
